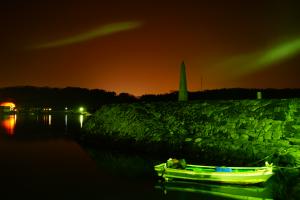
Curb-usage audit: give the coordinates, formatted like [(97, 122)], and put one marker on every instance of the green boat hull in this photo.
[(237, 175)]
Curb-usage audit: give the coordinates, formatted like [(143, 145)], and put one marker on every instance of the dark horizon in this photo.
[(29, 97), (137, 96), (125, 92)]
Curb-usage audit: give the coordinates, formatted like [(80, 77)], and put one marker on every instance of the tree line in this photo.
[(93, 99), (59, 98)]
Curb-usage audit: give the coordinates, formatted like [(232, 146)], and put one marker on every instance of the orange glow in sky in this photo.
[(137, 46)]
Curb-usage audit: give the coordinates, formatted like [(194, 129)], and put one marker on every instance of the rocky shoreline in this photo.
[(239, 132)]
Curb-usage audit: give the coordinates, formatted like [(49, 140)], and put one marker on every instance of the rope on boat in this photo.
[(281, 152), (287, 167), (262, 159)]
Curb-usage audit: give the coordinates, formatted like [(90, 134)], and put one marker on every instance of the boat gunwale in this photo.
[(268, 168), (204, 166)]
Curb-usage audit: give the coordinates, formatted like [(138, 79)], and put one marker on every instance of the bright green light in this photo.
[(98, 32), (280, 52), (255, 61), (81, 109)]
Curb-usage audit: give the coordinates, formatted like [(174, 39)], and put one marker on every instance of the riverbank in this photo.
[(217, 132)]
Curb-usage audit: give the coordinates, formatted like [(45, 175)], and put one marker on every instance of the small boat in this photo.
[(178, 169)]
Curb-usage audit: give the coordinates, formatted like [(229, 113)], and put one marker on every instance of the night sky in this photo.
[(138, 46)]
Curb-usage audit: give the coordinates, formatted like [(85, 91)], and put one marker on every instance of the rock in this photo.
[(296, 127), (277, 134), (297, 119), (260, 139), (197, 140), (244, 137), (235, 146), (234, 135), (267, 127), (268, 135), (297, 136)]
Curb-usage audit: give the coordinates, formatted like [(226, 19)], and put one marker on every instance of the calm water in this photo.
[(38, 159)]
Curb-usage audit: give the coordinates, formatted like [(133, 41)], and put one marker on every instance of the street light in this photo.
[(81, 109)]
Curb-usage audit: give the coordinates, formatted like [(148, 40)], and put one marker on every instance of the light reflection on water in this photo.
[(66, 121), (47, 119), (45, 157), (40, 161), (81, 120), (218, 191), (9, 123)]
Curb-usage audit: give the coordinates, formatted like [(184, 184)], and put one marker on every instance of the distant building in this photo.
[(259, 95), (7, 107)]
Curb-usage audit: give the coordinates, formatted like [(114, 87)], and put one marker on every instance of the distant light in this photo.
[(81, 109), (11, 105), (66, 108), (9, 124)]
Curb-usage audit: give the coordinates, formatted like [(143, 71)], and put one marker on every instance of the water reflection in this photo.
[(222, 191), (81, 120), (9, 124), (37, 168), (50, 120), (66, 121), (47, 119)]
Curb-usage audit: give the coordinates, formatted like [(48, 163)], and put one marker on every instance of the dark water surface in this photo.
[(39, 159)]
